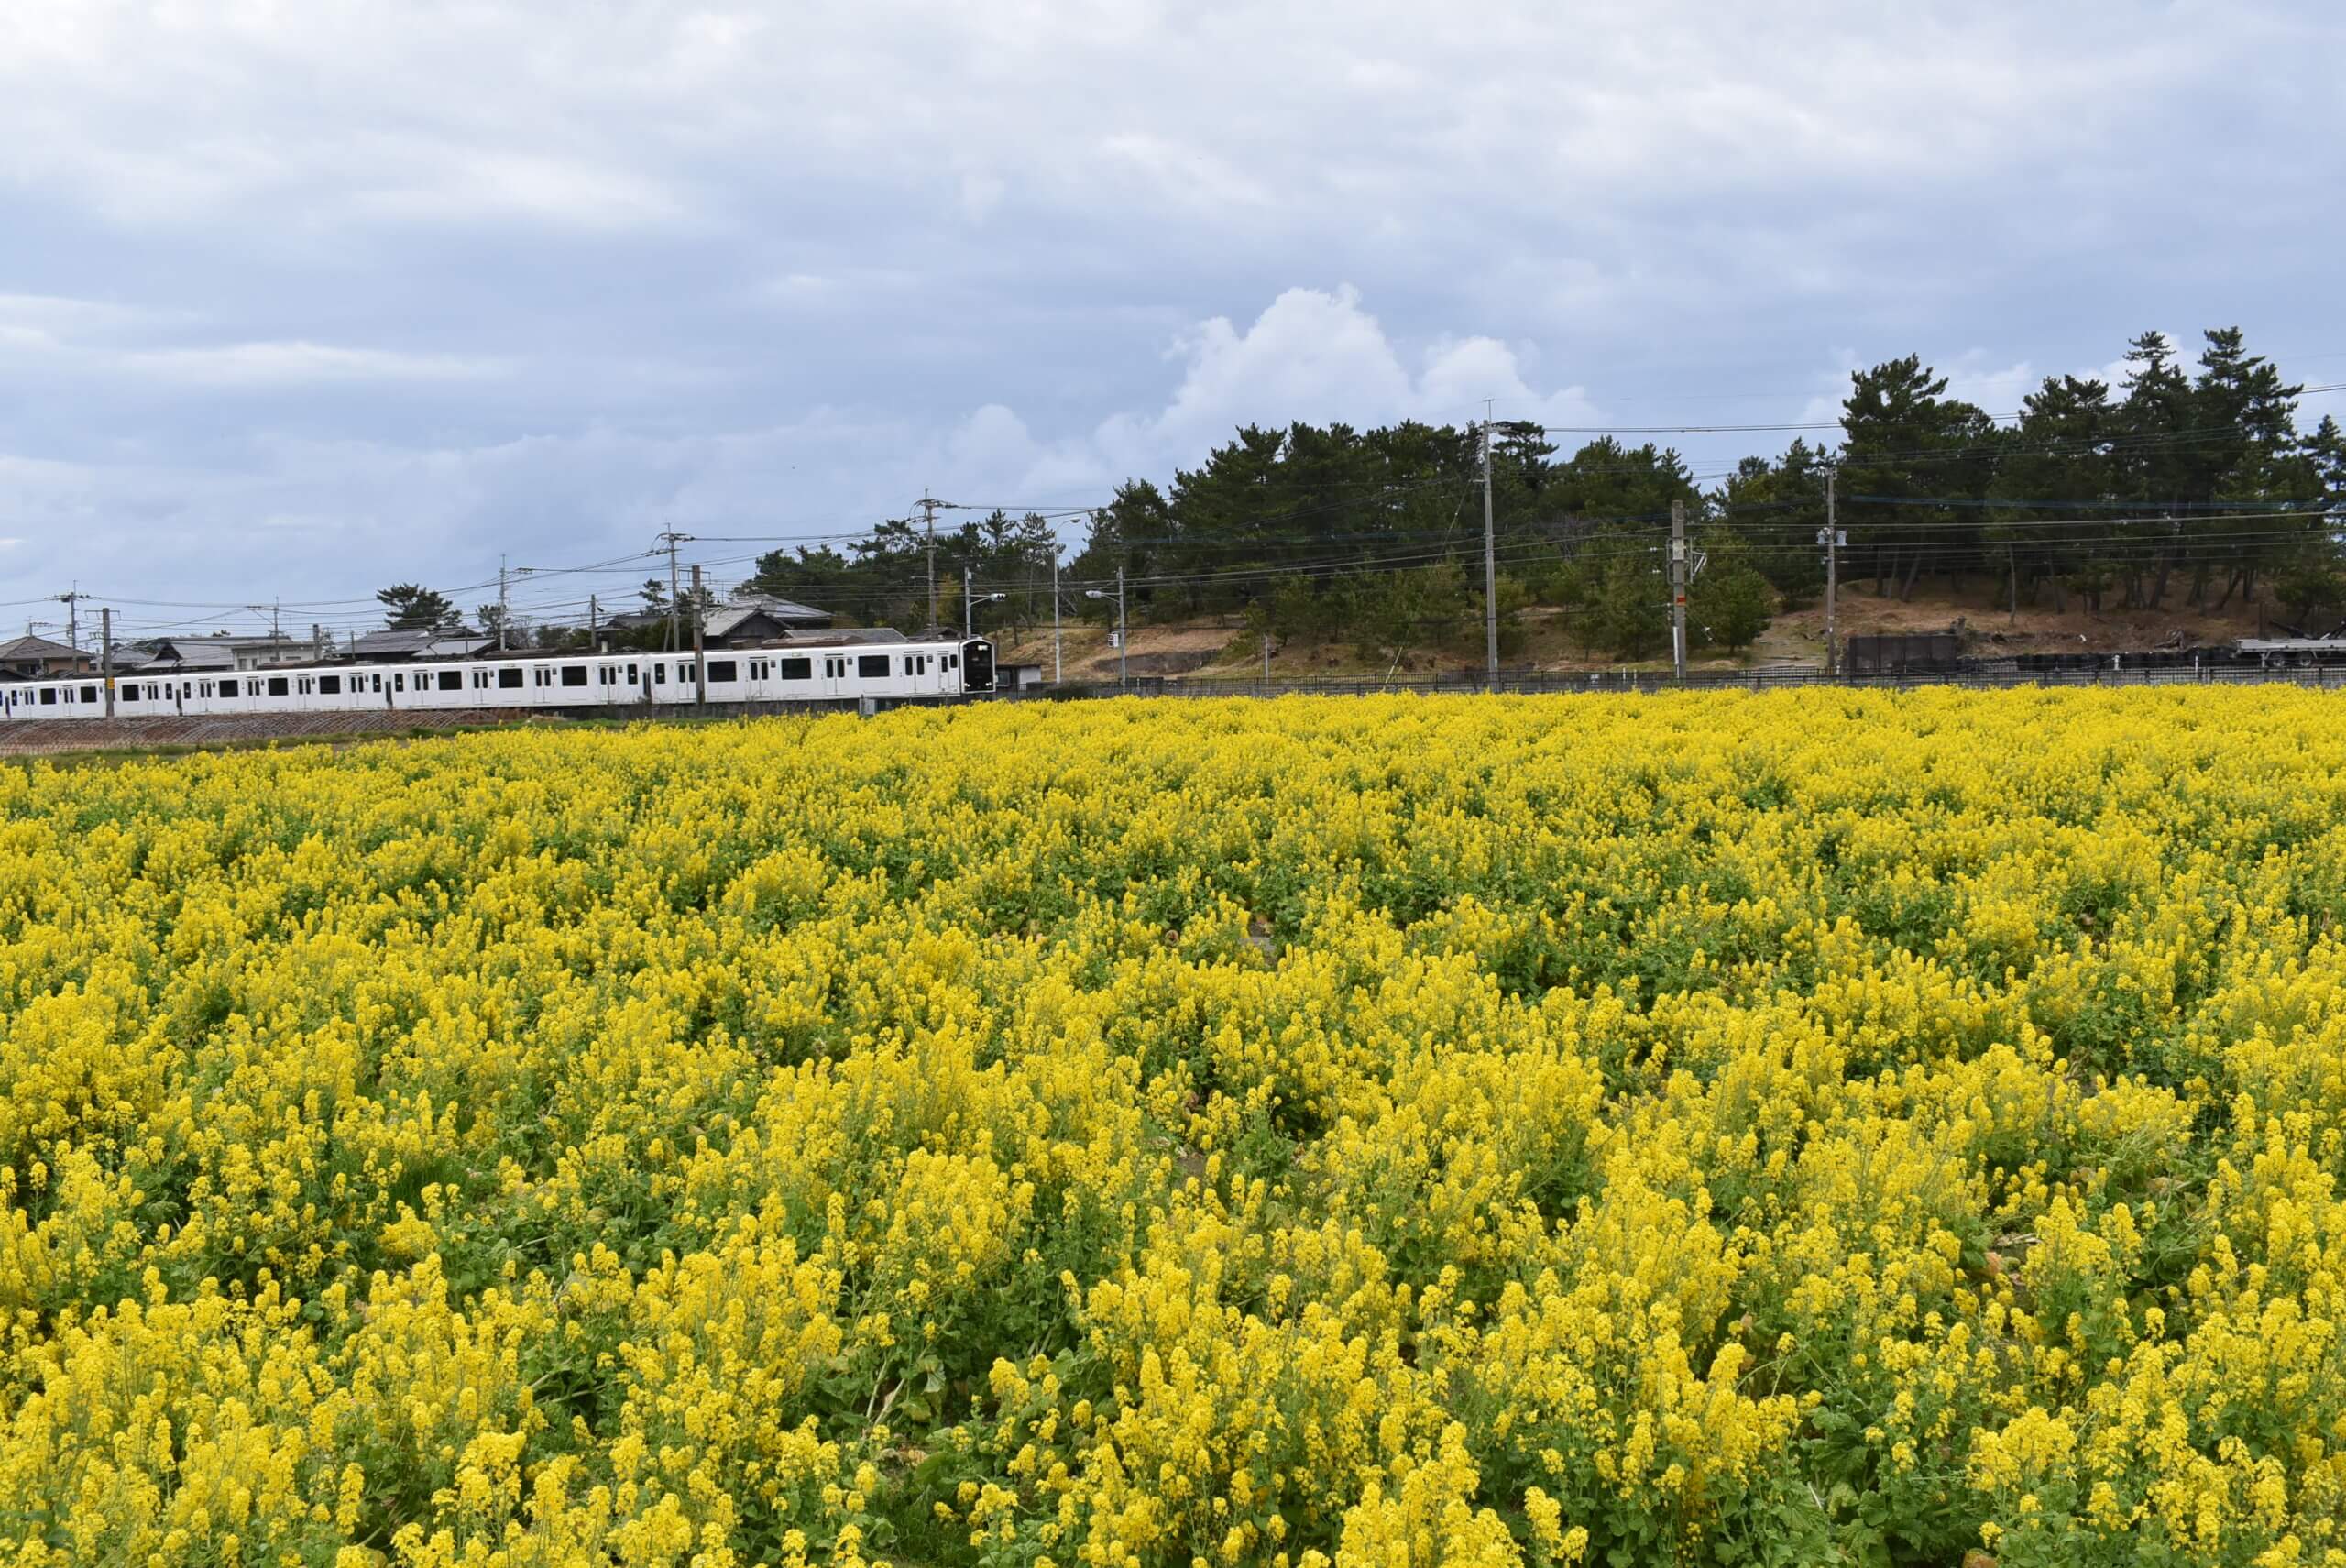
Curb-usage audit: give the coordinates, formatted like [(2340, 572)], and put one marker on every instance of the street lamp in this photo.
[(1123, 642)]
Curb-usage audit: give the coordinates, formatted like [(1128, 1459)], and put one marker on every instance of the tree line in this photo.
[(2185, 484)]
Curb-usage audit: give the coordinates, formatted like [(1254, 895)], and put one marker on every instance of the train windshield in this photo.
[(976, 667)]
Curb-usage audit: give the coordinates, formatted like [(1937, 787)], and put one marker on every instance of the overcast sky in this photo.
[(302, 297)]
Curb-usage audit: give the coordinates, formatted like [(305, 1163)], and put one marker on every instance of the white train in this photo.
[(807, 671)]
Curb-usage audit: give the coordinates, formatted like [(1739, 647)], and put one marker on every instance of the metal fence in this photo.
[(1562, 683)]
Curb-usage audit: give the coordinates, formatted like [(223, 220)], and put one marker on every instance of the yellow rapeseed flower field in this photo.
[(1815, 1128)]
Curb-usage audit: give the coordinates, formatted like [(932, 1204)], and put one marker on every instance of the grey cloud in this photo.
[(325, 295)]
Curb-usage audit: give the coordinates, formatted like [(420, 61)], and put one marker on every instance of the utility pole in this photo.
[(673, 539), (1055, 612), (504, 611), (1121, 648), (1831, 540), (928, 510), (317, 641), (969, 627), (71, 598), (1490, 565), (1266, 658), (592, 609), (701, 657), (106, 653), (1678, 589)]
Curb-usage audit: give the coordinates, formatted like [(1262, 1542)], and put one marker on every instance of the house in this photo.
[(746, 619), (28, 658), (173, 654), (229, 650), (394, 644)]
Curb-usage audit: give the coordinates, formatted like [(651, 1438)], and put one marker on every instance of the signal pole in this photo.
[(928, 510), (1831, 540), (1490, 565), (1678, 589)]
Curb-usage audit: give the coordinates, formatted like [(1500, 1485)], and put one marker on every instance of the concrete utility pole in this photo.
[(701, 657), (673, 539), (71, 599), (592, 610), (1831, 540), (928, 510), (504, 610), (1490, 565), (1122, 641), (1678, 589), (969, 627), (106, 653), (1055, 613)]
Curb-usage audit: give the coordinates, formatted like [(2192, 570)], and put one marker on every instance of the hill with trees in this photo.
[(2187, 487)]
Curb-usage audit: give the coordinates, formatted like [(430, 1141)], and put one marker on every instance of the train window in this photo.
[(278, 686), (872, 666), (89, 693), (724, 670), (797, 669), (659, 675), (574, 675), (302, 683), (130, 691), (398, 680), (508, 680), (452, 680), (375, 683), (948, 662), (329, 685), (48, 697), (630, 674)]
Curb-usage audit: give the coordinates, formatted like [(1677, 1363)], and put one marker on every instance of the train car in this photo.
[(809, 672)]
